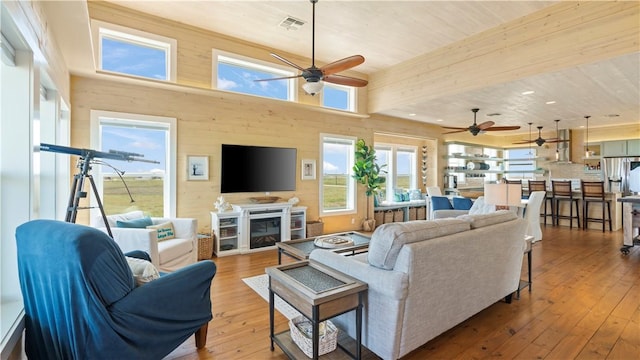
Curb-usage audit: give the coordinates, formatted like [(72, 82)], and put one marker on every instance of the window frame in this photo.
[(392, 167), (351, 96), (168, 123), (351, 207), (254, 64), (135, 37)]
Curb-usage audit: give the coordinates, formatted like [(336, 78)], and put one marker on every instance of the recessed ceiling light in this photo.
[(581, 126), (550, 102), (613, 115), (439, 120), (528, 92), (412, 114)]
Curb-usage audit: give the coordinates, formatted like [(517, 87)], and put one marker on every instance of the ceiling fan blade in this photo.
[(524, 142), (345, 80), (555, 140), (486, 125), (456, 131), (342, 64), (280, 78), (287, 61), (502, 128)]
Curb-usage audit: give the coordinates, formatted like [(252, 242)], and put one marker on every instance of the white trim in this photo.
[(351, 96), (144, 120), (169, 45), (351, 195)]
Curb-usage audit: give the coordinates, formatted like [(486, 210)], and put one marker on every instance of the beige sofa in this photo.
[(166, 255), (426, 277)]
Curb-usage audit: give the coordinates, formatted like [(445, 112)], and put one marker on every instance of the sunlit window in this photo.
[(338, 97), (337, 187)]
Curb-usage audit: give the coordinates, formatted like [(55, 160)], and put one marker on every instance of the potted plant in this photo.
[(367, 172)]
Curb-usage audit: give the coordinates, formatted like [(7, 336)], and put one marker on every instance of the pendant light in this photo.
[(557, 137), (586, 143), (530, 152)]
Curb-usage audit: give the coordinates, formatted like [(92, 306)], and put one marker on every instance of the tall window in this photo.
[(150, 185), (338, 97), (401, 168), (237, 73), (337, 187), (133, 52)]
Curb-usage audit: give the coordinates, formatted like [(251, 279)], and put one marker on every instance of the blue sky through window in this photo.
[(335, 98), (240, 79), (134, 59), (148, 142)]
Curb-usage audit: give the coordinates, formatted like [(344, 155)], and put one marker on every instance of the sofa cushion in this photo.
[(172, 249), (165, 230), (388, 239), (482, 220), (139, 223), (462, 203), (479, 207), (122, 217)]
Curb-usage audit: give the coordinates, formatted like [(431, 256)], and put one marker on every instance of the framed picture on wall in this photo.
[(308, 169), (197, 168)]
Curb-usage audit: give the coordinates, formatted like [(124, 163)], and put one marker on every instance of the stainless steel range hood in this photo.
[(564, 147)]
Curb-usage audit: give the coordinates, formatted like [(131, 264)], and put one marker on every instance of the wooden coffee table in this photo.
[(300, 249)]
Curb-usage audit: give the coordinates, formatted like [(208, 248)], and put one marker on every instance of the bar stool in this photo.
[(593, 191), (541, 185), (561, 191)]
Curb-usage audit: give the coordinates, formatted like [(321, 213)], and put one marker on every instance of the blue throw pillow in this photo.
[(461, 203), (440, 203), (139, 223)]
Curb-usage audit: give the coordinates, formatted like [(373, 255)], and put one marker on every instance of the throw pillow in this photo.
[(140, 223), (462, 203), (165, 230), (142, 270), (440, 203)]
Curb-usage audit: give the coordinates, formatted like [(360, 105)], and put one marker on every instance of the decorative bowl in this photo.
[(264, 199)]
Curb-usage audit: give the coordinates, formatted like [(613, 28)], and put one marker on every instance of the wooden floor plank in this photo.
[(584, 304)]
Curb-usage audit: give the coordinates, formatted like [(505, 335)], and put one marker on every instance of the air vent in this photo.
[(494, 114), (291, 23)]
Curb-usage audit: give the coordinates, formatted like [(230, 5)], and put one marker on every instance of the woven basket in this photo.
[(205, 246), (314, 228), (326, 343)]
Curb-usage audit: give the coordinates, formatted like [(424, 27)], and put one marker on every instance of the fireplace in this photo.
[(265, 231)]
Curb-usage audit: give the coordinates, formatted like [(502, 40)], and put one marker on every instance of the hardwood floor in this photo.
[(584, 304)]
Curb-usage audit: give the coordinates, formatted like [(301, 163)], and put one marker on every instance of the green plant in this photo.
[(366, 171)]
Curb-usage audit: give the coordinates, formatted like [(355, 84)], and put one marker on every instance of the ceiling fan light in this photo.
[(313, 87)]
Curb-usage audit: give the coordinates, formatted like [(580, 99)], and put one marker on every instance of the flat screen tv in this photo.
[(257, 169)]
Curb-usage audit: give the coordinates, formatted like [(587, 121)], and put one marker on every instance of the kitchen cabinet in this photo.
[(621, 148)]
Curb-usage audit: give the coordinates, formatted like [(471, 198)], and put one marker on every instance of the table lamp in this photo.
[(503, 195)]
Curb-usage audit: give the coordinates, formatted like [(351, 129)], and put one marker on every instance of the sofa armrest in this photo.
[(442, 214), (392, 284)]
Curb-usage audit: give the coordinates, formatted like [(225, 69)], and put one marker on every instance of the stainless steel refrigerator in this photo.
[(622, 174)]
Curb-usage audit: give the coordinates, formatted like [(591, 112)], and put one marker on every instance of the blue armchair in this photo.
[(81, 301)]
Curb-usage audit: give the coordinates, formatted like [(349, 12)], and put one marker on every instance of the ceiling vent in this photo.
[(291, 23)]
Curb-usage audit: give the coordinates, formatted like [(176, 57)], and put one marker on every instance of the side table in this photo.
[(317, 292)]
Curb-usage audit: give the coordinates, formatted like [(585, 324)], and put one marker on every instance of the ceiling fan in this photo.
[(314, 76), (540, 141), (475, 129)]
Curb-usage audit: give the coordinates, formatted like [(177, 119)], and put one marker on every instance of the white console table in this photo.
[(256, 227)]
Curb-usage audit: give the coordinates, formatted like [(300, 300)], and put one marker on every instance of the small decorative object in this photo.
[(221, 205), (197, 168), (424, 165), (332, 241), (308, 169), (294, 200), (264, 199)]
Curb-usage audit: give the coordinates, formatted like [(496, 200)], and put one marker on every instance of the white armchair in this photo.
[(166, 255)]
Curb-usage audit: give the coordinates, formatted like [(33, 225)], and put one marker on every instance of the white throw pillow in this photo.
[(143, 271)]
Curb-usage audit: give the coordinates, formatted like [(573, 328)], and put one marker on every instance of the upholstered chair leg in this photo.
[(201, 336)]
